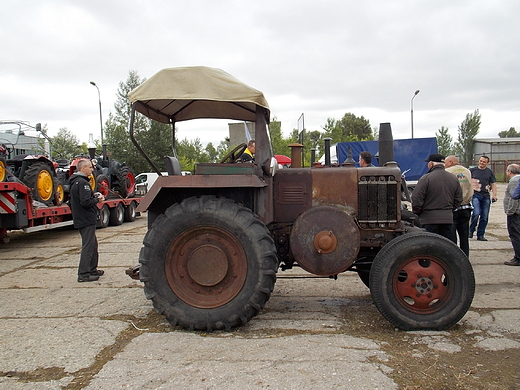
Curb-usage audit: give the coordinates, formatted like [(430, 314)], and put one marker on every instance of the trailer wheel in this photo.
[(130, 213), (422, 281), (125, 182), (208, 264), (104, 217), (117, 215), (39, 177)]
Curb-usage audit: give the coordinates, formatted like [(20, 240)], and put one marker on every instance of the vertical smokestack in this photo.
[(327, 151), (91, 146), (296, 155), (386, 144), (313, 156)]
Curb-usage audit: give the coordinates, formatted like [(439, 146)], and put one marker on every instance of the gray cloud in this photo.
[(321, 58)]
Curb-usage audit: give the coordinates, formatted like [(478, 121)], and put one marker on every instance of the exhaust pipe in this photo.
[(327, 151), (386, 144)]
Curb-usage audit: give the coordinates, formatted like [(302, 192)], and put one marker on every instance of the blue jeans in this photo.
[(481, 205)]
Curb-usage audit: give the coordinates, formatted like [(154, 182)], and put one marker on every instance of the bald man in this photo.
[(462, 214)]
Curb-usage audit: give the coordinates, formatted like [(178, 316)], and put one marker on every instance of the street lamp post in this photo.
[(100, 115), (411, 107)]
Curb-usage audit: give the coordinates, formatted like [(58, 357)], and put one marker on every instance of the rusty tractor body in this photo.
[(216, 239)]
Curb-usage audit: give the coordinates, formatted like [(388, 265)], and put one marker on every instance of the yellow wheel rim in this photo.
[(2, 171), (44, 184), (61, 193)]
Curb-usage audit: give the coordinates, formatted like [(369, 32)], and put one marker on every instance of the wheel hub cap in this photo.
[(206, 267)]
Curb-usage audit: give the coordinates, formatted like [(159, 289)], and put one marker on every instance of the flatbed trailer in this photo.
[(19, 211)]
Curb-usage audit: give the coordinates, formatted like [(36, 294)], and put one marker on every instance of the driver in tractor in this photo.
[(249, 153)]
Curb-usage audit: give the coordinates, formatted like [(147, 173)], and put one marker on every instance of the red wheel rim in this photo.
[(104, 186), (206, 267), (130, 182), (423, 284)]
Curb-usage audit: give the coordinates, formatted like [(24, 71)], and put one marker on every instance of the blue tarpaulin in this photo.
[(408, 153)]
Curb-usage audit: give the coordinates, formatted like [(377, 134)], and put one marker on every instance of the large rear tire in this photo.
[(208, 264), (39, 177), (125, 182), (422, 281)]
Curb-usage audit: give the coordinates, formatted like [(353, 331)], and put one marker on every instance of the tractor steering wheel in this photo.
[(234, 155)]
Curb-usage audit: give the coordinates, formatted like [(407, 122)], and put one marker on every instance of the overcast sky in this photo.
[(318, 58)]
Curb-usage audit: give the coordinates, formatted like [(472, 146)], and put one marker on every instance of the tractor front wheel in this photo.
[(422, 281)]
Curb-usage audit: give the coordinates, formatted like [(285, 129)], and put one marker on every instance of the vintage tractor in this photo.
[(110, 177), (36, 172), (114, 177), (216, 239)]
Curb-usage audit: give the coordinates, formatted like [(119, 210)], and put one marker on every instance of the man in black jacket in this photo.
[(85, 214), (435, 197)]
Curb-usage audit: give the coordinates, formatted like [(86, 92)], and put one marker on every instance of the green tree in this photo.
[(468, 131), (511, 133), (65, 145), (444, 141), (349, 128), (223, 148), (154, 137), (191, 152), (212, 152)]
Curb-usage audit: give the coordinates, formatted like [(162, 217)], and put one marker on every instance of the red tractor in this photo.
[(110, 177)]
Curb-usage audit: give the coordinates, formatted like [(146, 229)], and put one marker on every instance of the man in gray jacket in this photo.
[(462, 214), (435, 197), (512, 210)]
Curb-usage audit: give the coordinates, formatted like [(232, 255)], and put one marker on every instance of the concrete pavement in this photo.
[(313, 333)]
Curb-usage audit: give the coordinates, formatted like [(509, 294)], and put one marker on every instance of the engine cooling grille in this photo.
[(377, 199)]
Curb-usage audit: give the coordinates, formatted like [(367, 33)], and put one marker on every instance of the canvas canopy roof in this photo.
[(196, 92)]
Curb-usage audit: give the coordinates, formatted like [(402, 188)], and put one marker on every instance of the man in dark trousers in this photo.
[(435, 197), (85, 213), (484, 181), (462, 214), (512, 210)]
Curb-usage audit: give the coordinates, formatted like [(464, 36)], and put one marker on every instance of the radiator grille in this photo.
[(377, 199)]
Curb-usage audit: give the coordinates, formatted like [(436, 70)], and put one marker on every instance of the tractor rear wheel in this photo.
[(422, 281), (125, 182), (208, 264), (39, 177)]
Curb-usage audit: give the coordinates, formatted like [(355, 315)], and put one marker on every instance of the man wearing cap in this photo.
[(435, 197), (462, 214)]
